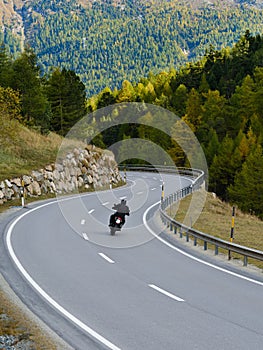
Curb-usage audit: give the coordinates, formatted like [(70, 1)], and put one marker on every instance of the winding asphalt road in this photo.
[(131, 291)]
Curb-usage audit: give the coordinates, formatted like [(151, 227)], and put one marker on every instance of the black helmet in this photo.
[(123, 201)]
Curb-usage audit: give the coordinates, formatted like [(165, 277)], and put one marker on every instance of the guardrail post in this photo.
[(22, 193), (245, 260), (232, 231), (162, 196), (175, 230), (125, 175), (205, 245), (216, 250), (181, 232), (171, 227), (229, 255), (187, 236), (195, 241)]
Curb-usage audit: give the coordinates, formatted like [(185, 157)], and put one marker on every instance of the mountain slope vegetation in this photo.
[(106, 42), (220, 98)]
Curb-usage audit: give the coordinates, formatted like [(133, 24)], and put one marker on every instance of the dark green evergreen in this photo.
[(27, 80), (247, 191), (5, 67), (107, 42), (66, 95)]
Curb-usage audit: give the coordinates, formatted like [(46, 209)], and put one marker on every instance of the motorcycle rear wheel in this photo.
[(112, 231)]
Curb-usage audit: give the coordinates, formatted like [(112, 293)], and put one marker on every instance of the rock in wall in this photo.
[(82, 168)]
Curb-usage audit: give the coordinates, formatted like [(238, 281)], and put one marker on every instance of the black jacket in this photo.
[(121, 208)]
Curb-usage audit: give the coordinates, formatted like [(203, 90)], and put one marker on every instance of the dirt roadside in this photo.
[(21, 327)]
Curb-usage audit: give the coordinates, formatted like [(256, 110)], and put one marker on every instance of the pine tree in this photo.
[(193, 110), (213, 112), (242, 101), (179, 99), (212, 147), (258, 96), (27, 81), (66, 95), (127, 93), (223, 168), (247, 190), (6, 71)]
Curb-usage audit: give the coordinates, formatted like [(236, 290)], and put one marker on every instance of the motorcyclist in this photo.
[(121, 210)]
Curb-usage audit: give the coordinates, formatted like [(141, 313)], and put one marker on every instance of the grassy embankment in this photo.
[(215, 220), (30, 151)]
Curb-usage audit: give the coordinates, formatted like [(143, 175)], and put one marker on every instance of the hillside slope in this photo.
[(29, 151), (105, 42)]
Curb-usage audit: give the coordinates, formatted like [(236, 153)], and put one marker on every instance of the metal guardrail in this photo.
[(193, 173), (177, 227), (198, 177), (188, 232)]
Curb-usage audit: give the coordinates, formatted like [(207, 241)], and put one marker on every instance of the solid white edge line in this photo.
[(106, 258), (64, 311), (191, 256), (168, 294), (67, 314)]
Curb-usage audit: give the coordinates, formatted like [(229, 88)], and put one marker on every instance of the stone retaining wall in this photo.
[(82, 168)]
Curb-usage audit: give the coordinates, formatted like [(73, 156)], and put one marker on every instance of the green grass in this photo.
[(215, 219), (30, 151)]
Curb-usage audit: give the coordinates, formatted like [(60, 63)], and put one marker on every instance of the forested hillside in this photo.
[(106, 42), (221, 98)]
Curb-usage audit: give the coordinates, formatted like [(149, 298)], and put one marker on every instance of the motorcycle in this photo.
[(116, 225), (117, 220)]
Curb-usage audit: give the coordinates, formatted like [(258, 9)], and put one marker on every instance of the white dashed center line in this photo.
[(170, 295), (106, 258), (85, 236)]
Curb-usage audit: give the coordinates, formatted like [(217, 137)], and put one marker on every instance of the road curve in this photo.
[(133, 290)]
